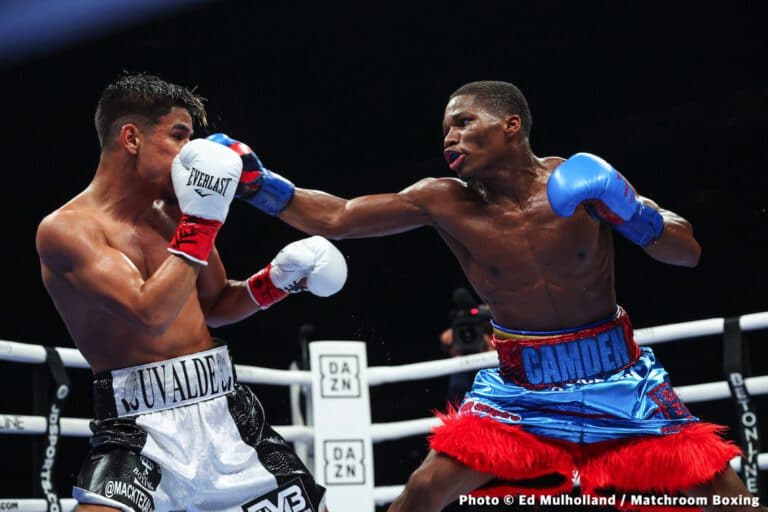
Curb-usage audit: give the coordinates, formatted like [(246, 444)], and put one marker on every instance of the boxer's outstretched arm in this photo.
[(677, 245), (320, 213), (317, 212), (74, 253)]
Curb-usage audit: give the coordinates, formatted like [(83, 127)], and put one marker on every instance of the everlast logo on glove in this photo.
[(167, 384), (199, 179)]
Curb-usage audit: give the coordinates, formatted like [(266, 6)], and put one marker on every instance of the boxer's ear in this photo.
[(129, 138), (512, 124)]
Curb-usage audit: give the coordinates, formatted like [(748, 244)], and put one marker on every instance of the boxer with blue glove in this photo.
[(259, 187), (589, 180), (573, 393)]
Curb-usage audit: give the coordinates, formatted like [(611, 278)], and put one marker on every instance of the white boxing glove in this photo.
[(205, 177), (312, 264)]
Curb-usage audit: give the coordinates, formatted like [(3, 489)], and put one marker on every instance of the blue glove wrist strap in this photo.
[(644, 227), (274, 194)]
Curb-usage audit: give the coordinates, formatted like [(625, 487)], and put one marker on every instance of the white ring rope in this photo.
[(32, 505), (429, 369), (25, 353), (78, 427)]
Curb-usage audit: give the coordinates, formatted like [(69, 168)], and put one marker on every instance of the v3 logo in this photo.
[(289, 497)]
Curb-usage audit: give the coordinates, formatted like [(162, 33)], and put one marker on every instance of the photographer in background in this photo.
[(470, 333)]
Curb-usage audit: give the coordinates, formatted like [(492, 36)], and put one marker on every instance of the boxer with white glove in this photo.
[(607, 196), (205, 177), (313, 264)]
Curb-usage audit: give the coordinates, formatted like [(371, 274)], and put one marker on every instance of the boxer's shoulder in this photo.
[(70, 229), (438, 191), (550, 162)]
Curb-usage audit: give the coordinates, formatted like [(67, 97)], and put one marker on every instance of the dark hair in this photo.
[(500, 97), (142, 98)]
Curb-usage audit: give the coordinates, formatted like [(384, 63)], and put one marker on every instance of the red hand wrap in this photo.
[(263, 290), (194, 238), (604, 212), (250, 180)]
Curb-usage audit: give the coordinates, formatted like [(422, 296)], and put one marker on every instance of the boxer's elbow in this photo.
[(694, 255), (334, 225), (689, 253), (145, 318), (679, 258), (153, 321), (214, 321), (330, 223)]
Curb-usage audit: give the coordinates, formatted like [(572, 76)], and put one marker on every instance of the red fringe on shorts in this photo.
[(666, 464)]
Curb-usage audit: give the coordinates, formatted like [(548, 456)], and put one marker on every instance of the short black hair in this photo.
[(142, 98), (500, 97)]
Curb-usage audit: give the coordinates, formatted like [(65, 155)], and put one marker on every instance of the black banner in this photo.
[(53, 432), (736, 364)]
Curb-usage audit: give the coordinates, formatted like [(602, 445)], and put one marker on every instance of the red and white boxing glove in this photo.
[(313, 264), (205, 177)]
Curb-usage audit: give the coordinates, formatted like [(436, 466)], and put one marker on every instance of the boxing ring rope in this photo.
[(78, 427)]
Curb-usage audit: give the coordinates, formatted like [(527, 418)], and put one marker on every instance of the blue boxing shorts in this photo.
[(586, 401)]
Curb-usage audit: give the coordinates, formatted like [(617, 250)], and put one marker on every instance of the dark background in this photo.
[(350, 100)]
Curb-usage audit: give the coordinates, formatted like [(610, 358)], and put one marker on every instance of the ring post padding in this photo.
[(61, 380), (737, 368), (341, 416)]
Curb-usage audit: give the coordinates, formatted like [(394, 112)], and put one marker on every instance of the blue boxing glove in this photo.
[(607, 196), (259, 187)]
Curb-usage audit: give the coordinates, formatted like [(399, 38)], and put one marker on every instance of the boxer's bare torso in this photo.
[(535, 270), (123, 297), (107, 340)]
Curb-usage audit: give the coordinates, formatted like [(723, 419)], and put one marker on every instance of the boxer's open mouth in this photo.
[(454, 159)]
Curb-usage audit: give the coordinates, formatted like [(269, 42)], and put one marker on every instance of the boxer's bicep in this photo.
[(78, 255)]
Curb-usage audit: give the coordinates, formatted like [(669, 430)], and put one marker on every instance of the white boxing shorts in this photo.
[(181, 434)]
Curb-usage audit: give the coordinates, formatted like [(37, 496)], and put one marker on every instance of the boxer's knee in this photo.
[(726, 484), (422, 481), (421, 493)]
